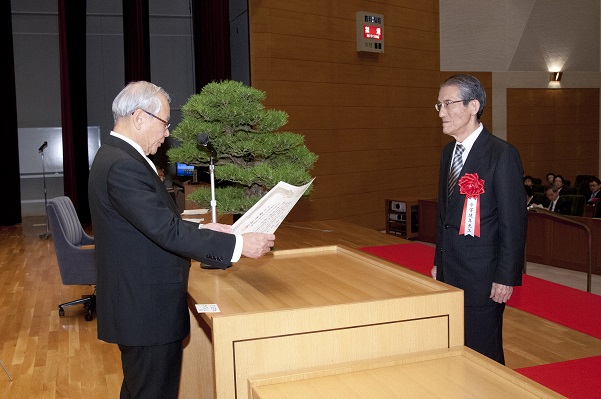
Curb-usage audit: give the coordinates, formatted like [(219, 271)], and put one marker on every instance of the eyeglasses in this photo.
[(167, 124), (444, 104)]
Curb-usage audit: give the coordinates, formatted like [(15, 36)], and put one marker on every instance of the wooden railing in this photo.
[(571, 221)]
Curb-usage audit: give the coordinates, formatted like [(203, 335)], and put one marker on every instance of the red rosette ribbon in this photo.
[(471, 186)]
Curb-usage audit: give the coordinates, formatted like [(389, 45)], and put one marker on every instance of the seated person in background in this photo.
[(529, 195), (594, 186), (161, 173), (550, 179), (555, 203), (528, 181), (558, 183)]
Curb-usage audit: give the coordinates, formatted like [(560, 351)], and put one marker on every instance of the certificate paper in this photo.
[(269, 212)]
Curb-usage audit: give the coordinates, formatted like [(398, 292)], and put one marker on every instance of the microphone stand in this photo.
[(203, 139), (47, 234), (213, 201)]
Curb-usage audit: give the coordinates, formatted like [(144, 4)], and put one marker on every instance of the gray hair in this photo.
[(470, 88), (138, 95)]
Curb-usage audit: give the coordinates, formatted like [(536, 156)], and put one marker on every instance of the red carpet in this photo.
[(563, 305), (574, 379), (576, 309)]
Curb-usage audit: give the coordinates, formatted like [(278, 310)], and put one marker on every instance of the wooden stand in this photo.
[(307, 308), (445, 374), (402, 217), (427, 220)]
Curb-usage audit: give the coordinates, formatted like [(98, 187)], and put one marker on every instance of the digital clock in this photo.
[(370, 32)]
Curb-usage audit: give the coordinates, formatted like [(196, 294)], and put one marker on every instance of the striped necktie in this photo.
[(455, 167)]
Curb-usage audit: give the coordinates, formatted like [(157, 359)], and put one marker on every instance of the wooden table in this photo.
[(311, 307), (446, 374)]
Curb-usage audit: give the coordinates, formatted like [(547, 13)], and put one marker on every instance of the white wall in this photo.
[(520, 41)]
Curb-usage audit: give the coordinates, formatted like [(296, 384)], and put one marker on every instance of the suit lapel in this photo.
[(447, 153), (472, 162), (159, 185)]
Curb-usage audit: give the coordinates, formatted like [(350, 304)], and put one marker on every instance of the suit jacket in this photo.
[(589, 199), (562, 206), (143, 250), (474, 263)]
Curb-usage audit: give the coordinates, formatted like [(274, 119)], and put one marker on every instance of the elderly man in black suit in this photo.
[(143, 247), (556, 203), (481, 218)]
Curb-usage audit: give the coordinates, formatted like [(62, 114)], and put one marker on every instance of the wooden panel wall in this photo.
[(555, 130), (370, 117)]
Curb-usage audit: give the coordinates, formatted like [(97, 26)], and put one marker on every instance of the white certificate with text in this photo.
[(269, 212)]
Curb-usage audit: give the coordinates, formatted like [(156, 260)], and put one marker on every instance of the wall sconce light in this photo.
[(556, 76)]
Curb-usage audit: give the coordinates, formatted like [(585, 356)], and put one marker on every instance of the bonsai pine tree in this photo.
[(252, 156)]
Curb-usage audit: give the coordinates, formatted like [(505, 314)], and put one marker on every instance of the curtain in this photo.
[(10, 200), (74, 116), (211, 41), (136, 40)]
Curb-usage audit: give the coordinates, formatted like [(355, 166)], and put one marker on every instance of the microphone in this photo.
[(43, 146), (203, 140)]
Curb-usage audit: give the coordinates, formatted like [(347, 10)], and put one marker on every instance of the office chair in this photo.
[(74, 252)]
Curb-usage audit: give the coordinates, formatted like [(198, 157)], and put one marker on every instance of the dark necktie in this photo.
[(455, 167)]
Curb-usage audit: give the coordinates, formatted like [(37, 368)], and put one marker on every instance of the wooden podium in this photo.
[(306, 308), (454, 373)]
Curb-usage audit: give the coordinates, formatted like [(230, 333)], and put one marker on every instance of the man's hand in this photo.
[(257, 244), (501, 293), (433, 271), (222, 228)]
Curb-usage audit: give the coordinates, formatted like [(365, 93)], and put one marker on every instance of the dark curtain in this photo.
[(136, 40), (10, 199), (211, 41), (74, 115)]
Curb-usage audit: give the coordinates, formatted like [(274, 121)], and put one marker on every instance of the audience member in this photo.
[(594, 194), (528, 181), (555, 203), (529, 195), (550, 179), (161, 173), (558, 183)]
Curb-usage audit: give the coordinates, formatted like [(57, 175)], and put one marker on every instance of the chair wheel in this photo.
[(61, 312)]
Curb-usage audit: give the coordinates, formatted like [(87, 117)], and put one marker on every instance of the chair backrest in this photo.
[(577, 204), (538, 188), (62, 215), (538, 198), (568, 190), (76, 265), (583, 179)]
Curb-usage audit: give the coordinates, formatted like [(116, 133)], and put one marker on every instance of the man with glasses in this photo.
[(143, 247), (481, 218), (594, 187)]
